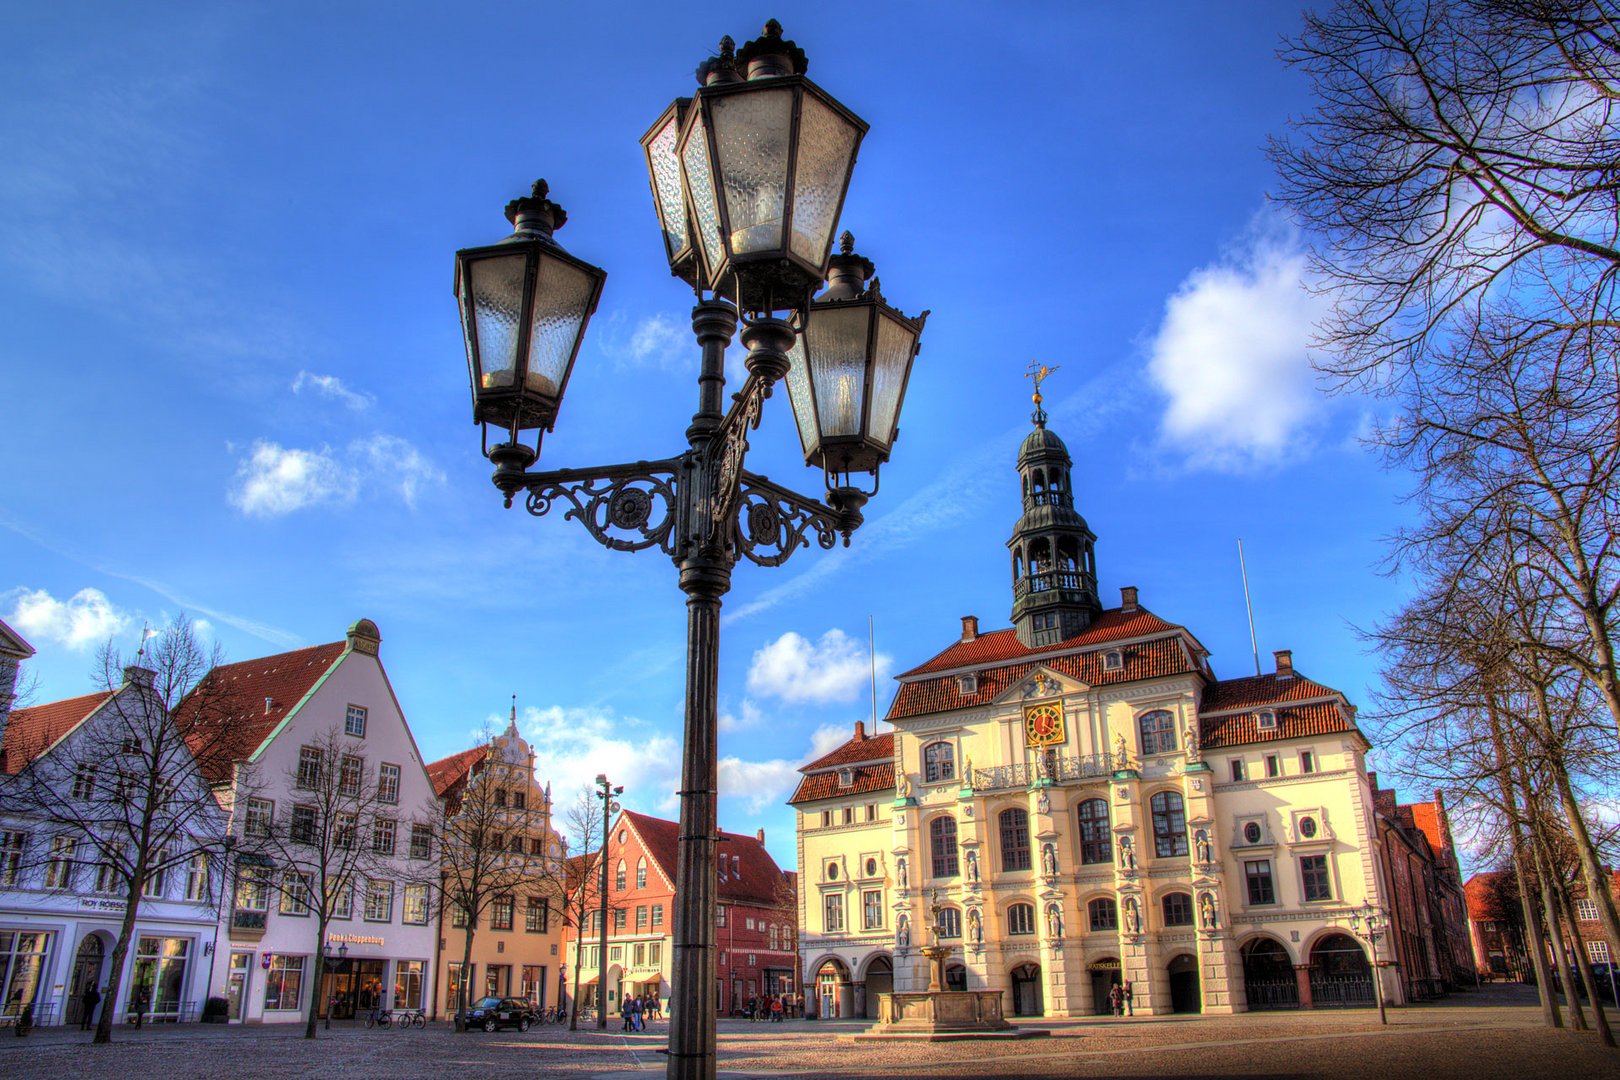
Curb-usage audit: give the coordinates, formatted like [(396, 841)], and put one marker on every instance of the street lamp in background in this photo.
[(1370, 924), (331, 969), (605, 792), (748, 179)]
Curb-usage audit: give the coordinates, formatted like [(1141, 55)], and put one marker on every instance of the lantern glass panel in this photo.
[(826, 154), (497, 298), (665, 167), (798, 384), (893, 356), (562, 302), (837, 343), (699, 178), (752, 131)]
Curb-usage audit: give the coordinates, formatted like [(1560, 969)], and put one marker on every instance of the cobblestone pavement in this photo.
[(1496, 1032)]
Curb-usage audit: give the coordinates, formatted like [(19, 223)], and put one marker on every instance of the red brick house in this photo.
[(755, 923)]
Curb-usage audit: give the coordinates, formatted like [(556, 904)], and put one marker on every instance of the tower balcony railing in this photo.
[(1044, 581), (1061, 770), (1048, 498)]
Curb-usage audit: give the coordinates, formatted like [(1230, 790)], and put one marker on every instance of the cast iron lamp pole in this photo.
[(1370, 924), (748, 178), (604, 791), (331, 969)]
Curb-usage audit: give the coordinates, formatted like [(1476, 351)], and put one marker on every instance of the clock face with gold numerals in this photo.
[(1043, 723)]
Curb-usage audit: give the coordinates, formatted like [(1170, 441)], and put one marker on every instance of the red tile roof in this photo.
[(862, 747), (32, 731), (868, 778), (1293, 722), (446, 773), (1252, 691), (756, 878), (1001, 645), (877, 774), (1145, 660), (236, 707)]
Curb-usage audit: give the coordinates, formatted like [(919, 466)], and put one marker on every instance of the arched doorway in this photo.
[(1184, 996), (835, 996), (1105, 975), (86, 973), (1268, 975), (1340, 974), (955, 977), (879, 981), (1026, 991)]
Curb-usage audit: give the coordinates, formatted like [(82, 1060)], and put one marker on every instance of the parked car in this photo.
[(495, 1012)]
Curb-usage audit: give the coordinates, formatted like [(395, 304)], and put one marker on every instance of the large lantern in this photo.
[(847, 372), (765, 158), (524, 306), (662, 145)]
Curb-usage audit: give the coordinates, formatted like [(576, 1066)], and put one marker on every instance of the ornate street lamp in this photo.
[(524, 305), (332, 967), (748, 178), (848, 371), (1370, 924), (606, 792)]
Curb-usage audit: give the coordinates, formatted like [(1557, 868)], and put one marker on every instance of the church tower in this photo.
[(1054, 566)]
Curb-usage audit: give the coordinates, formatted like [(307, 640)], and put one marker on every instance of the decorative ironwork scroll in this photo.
[(625, 507), (770, 523), (727, 449)]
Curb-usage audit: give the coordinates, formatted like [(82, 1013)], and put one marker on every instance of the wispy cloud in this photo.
[(573, 744), (1231, 356), (835, 668), (758, 783), (82, 621), (274, 480), (332, 387)]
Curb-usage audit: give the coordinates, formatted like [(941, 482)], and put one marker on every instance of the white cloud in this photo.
[(747, 715), (275, 480), (84, 620), (827, 738), (836, 668), (573, 745), (1232, 356), (758, 783), (665, 344), (331, 386)]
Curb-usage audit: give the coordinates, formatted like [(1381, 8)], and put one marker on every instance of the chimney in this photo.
[(139, 676), (364, 637), (1372, 780), (860, 730), (970, 627), (761, 834), (267, 703), (1127, 599), (1285, 663)]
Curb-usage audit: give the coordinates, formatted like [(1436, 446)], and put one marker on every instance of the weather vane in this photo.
[(1038, 371)]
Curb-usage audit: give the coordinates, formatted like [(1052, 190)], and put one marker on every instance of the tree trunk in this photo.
[(116, 962), (1584, 966), (1592, 871), (466, 959), (1555, 931), (319, 974), (579, 952)]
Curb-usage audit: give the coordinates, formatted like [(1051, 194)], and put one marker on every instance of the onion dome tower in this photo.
[(1054, 566)]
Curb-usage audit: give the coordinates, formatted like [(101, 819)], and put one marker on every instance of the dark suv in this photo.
[(492, 1012)]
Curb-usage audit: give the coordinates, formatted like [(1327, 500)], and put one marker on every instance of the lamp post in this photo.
[(748, 179), (604, 791), (1370, 924), (331, 969)]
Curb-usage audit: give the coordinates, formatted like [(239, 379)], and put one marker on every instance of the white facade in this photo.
[(264, 966)]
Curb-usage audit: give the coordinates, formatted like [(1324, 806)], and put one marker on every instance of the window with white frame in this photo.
[(13, 846), (939, 762), (343, 829), (59, 869), (1586, 910), (382, 836), (302, 829), (354, 722), (388, 783), (641, 872), (421, 841), (350, 773), (253, 889), (156, 885), (284, 982), (342, 899), (871, 912), (197, 877), (295, 893), (833, 913), (1598, 951), (109, 873), (84, 782), (309, 767), (379, 901), (257, 818), (1021, 919)]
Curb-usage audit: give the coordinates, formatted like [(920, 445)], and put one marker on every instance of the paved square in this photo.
[(1496, 1032)]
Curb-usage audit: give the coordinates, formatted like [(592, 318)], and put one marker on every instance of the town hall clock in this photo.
[(1043, 724)]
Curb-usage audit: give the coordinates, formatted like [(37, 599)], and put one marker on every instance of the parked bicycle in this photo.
[(411, 1018), (379, 1018)]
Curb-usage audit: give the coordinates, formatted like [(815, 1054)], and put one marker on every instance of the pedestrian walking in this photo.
[(624, 1013), (143, 997), (1128, 995), (87, 1004), (776, 1010), (1116, 1000), (635, 1015)]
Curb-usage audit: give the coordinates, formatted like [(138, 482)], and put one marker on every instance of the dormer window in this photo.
[(1113, 660), (846, 778), (1266, 719), (967, 684)]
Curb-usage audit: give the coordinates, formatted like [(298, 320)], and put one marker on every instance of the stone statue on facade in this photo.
[(1049, 865), (973, 866), (1193, 749), (1133, 916), (900, 872), (903, 786), (1120, 756), (1127, 854), (1054, 921), (902, 934), (1206, 911), (1043, 802), (975, 927), (1201, 841)]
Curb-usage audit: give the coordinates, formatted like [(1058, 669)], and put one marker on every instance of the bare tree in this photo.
[(583, 823), (495, 840), (124, 795), (334, 849)]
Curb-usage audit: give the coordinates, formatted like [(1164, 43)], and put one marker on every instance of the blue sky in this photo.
[(234, 386)]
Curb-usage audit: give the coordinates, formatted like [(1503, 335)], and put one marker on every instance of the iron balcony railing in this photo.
[(1001, 777), (1045, 581)]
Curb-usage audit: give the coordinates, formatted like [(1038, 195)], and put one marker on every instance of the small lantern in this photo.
[(847, 372), (765, 156), (524, 306), (661, 145)]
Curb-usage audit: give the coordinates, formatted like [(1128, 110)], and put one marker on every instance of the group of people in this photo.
[(1119, 999), (772, 1007), (636, 1011)]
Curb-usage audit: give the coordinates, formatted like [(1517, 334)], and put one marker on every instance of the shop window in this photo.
[(284, 982)]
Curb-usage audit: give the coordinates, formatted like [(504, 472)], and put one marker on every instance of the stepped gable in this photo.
[(249, 700), (32, 731), (1303, 707), (870, 758), (999, 646), (448, 772), (755, 879)]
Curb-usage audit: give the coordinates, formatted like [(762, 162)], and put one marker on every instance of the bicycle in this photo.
[(409, 1018), (379, 1018)]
